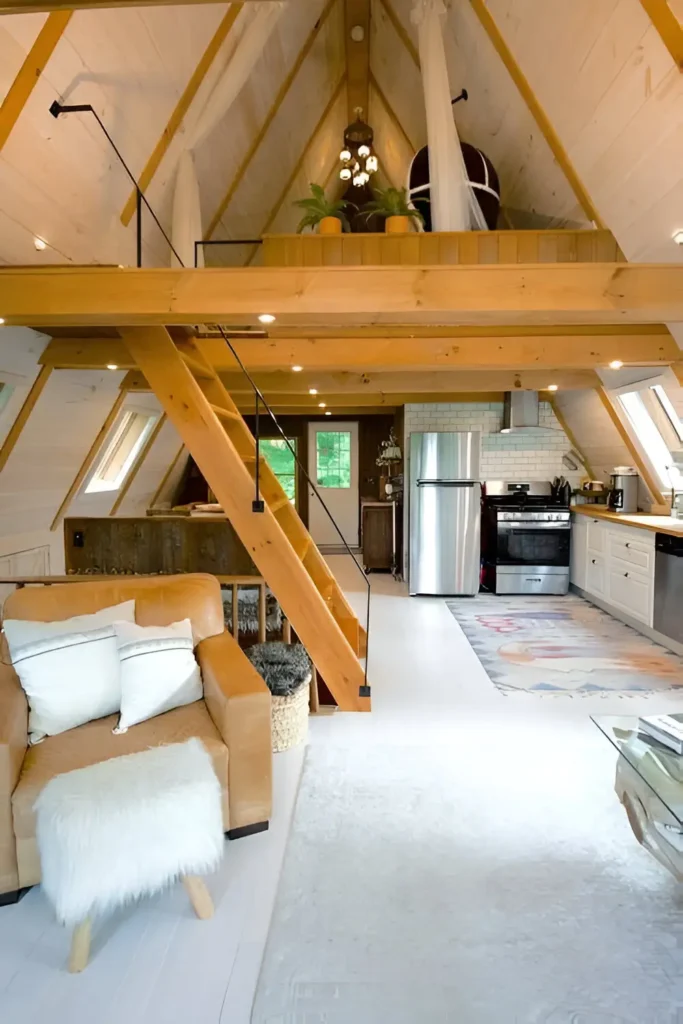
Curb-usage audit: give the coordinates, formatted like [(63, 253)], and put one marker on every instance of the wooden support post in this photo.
[(23, 414), (166, 477), (80, 947), (89, 459), (262, 613), (137, 465), (31, 70), (200, 897), (181, 109)]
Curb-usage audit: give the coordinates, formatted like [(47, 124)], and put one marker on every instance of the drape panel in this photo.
[(187, 217), (454, 206)]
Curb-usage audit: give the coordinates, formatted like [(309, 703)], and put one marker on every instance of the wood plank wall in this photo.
[(427, 249)]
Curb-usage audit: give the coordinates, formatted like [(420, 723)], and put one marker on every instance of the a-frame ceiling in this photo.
[(600, 74)]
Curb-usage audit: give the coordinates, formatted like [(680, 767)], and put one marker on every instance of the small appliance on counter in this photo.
[(623, 491), (526, 532)]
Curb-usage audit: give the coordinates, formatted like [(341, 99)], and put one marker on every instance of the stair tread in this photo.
[(196, 366), (225, 414)]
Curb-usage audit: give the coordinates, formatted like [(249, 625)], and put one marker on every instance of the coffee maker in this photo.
[(623, 492)]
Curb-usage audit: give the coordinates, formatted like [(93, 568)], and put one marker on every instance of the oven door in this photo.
[(533, 543)]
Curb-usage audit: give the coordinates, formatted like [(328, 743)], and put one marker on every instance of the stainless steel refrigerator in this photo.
[(445, 513)]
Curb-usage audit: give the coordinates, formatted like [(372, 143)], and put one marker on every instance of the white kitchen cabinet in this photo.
[(579, 552), (595, 574), (617, 565)]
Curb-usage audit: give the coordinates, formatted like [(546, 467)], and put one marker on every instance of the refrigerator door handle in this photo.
[(447, 483)]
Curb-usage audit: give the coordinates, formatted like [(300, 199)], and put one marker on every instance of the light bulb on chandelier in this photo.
[(345, 154), (371, 164), (363, 150), (345, 173)]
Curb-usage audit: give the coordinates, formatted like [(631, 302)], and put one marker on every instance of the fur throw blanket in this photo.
[(283, 667), (128, 827)]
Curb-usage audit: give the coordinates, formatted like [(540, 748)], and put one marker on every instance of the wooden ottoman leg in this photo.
[(80, 947), (200, 897)]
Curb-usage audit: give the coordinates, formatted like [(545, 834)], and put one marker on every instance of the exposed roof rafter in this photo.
[(270, 117), (668, 26), (181, 108)]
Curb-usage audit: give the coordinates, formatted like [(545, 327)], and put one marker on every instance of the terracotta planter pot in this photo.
[(397, 225), (330, 226)]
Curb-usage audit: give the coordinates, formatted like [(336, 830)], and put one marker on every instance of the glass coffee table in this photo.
[(660, 769)]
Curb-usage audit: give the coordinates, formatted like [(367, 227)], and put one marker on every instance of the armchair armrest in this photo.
[(13, 745), (239, 703)]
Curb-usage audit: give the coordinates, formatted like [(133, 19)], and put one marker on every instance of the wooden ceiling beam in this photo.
[(391, 352), (535, 109), (357, 16), (668, 26), (382, 386), (290, 405), (485, 295), (270, 117), (21, 420), (36, 6), (31, 70), (181, 108)]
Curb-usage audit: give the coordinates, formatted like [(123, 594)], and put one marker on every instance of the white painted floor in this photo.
[(157, 963)]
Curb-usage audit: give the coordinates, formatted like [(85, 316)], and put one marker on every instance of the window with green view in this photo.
[(282, 462), (333, 458)]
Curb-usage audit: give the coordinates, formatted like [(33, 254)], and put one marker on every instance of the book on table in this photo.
[(666, 729)]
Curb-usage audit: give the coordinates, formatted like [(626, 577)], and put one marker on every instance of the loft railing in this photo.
[(56, 109)]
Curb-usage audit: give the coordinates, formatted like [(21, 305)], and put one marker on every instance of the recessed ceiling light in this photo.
[(297, 369), (616, 364), (2, 319), (328, 413), (112, 366), (39, 244), (552, 387), (678, 237), (313, 391), (267, 318), (321, 405)]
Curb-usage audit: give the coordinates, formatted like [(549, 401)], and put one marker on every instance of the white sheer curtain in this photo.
[(187, 218), (454, 206)]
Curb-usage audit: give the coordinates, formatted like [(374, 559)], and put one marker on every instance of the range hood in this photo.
[(520, 411)]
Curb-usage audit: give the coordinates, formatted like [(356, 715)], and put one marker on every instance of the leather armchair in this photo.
[(233, 719)]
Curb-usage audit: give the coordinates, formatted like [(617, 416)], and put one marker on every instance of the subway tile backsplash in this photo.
[(530, 454)]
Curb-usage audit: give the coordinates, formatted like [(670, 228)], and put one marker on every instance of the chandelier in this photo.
[(358, 161)]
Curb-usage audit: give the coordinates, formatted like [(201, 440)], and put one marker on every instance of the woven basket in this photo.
[(290, 719)]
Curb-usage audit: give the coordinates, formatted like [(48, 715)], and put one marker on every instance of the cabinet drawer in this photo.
[(597, 533), (595, 574), (634, 550), (630, 591)]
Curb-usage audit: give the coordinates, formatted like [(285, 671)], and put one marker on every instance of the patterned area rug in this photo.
[(562, 645)]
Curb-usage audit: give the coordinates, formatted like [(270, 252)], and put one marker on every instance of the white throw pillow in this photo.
[(20, 632), (69, 680), (158, 670)]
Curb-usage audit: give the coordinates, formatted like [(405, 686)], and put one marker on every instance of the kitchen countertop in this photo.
[(657, 524)]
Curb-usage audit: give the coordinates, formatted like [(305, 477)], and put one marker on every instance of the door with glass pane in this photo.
[(333, 466)]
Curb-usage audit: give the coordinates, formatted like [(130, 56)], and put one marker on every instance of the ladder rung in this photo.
[(302, 549), (280, 503), (225, 414), (196, 366), (251, 459)]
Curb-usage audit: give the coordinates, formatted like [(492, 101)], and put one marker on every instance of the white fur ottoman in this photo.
[(126, 828)]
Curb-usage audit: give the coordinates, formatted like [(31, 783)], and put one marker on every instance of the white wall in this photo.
[(55, 440)]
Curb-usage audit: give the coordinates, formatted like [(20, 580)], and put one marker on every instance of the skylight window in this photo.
[(120, 451), (651, 440), (668, 408)]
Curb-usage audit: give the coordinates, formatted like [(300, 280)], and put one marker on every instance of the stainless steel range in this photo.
[(526, 534)]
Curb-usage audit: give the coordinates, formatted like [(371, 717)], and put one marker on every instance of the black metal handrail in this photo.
[(202, 242), (58, 108)]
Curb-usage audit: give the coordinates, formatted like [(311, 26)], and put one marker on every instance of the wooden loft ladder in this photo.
[(215, 434)]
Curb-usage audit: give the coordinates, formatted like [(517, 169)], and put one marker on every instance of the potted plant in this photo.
[(328, 217), (392, 204)]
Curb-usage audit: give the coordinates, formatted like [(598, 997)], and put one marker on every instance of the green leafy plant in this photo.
[(318, 207), (391, 202)]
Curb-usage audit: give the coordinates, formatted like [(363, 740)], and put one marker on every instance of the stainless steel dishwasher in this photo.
[(668, 611)]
